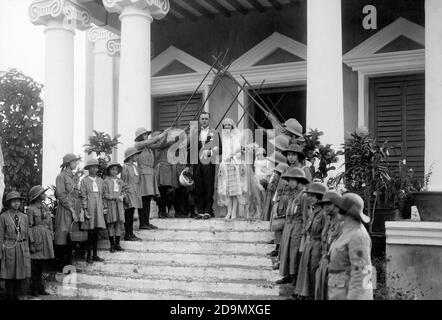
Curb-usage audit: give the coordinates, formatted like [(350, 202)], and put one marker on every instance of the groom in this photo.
[(209, 149)]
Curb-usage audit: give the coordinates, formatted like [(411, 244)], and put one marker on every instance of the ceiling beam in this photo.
[(238, 6), (257, 5), (171, 18), (276, 4), (201, 9), (219, 7), (185, 13)]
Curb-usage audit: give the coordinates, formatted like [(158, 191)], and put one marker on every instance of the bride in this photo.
[(232, 182)]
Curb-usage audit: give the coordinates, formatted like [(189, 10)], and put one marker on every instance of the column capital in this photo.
[(113, 46), (155, 8), (68, 13), (96, 33)]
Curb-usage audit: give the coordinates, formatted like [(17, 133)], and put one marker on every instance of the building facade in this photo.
[(332, 64)]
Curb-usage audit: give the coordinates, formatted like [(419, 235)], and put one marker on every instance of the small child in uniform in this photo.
[(41, 237), (91, 194), (15, 263), (113, 197)]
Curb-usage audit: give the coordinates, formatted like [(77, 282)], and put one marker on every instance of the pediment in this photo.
[(401, 35), (174, 61), (275, 49)]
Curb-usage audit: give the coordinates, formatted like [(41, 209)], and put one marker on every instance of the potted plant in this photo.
[(367, 173), (428, 203)]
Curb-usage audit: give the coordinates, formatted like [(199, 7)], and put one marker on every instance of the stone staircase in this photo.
[(183, 259)]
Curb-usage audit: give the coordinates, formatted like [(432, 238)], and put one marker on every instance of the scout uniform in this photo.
[(331, 231), (91, 194), (148, 179), (40, 238), (350, 268), (15, 263), (113, 193), (292, 233), (311, 253), (67, 195), (132, 200)]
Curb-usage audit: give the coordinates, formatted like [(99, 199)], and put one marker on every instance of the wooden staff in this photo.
[(196, 90), (230, 106), (250, 102)]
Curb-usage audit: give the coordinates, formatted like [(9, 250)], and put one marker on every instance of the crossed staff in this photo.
[(254, 95)]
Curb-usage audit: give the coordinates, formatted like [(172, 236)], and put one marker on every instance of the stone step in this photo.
[(194, 287), (182, 272), (100, 292), (206, 236), (214, 223), (187, 258), (246, 248)]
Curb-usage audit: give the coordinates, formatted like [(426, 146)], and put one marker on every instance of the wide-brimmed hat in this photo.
[(293, 126), (282, 142), (277, 158), (317, 187), (91, 163), (328, 196), (140, 131), (297, 173), (13, 195), (113, 164), (353, 205), (131, 151), (296, 148), (35, 192), (68, 158), (281, 168)]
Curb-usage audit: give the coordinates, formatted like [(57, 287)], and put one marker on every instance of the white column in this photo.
[(433, 92), (113, 47), (325, 101), (134, 106), (60, 17), (103, 107)]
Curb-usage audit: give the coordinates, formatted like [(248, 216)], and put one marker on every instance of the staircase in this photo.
[(183, 259)]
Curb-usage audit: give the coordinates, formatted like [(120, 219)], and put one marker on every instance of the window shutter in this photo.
[(167, 109), (398, 112)]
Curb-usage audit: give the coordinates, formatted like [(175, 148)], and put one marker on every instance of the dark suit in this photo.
[(204, 172)]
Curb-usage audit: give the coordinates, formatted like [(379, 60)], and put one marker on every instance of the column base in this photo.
[(414, 255)]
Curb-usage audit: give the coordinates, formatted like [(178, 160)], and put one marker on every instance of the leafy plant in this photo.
[(367, 172), (102, 145), (21, 130), (324, 154)]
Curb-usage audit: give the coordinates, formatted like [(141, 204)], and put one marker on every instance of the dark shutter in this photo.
[(167, 108), (398, 115)]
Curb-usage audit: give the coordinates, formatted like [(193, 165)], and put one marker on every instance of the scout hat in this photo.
[(139, 132), (69, 158), (317, 187), (113, 164), (328, 196), (293, 126), (91, 163), (130, 152), (35, 192), (353, 205), (281, 168), (282, 142), (294, 172), (296, 148), (277, 157), (13, 195)]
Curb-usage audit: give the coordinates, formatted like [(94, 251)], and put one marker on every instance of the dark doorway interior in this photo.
[(287, 102), (291, 103)]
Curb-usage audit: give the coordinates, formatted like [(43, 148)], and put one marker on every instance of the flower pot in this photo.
[(429, 205), (381, 215)]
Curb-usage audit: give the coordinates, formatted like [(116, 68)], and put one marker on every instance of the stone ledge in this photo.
[(414, 233)]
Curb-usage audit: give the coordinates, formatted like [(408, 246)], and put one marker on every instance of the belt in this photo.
[(336, 271), (22, 240)]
